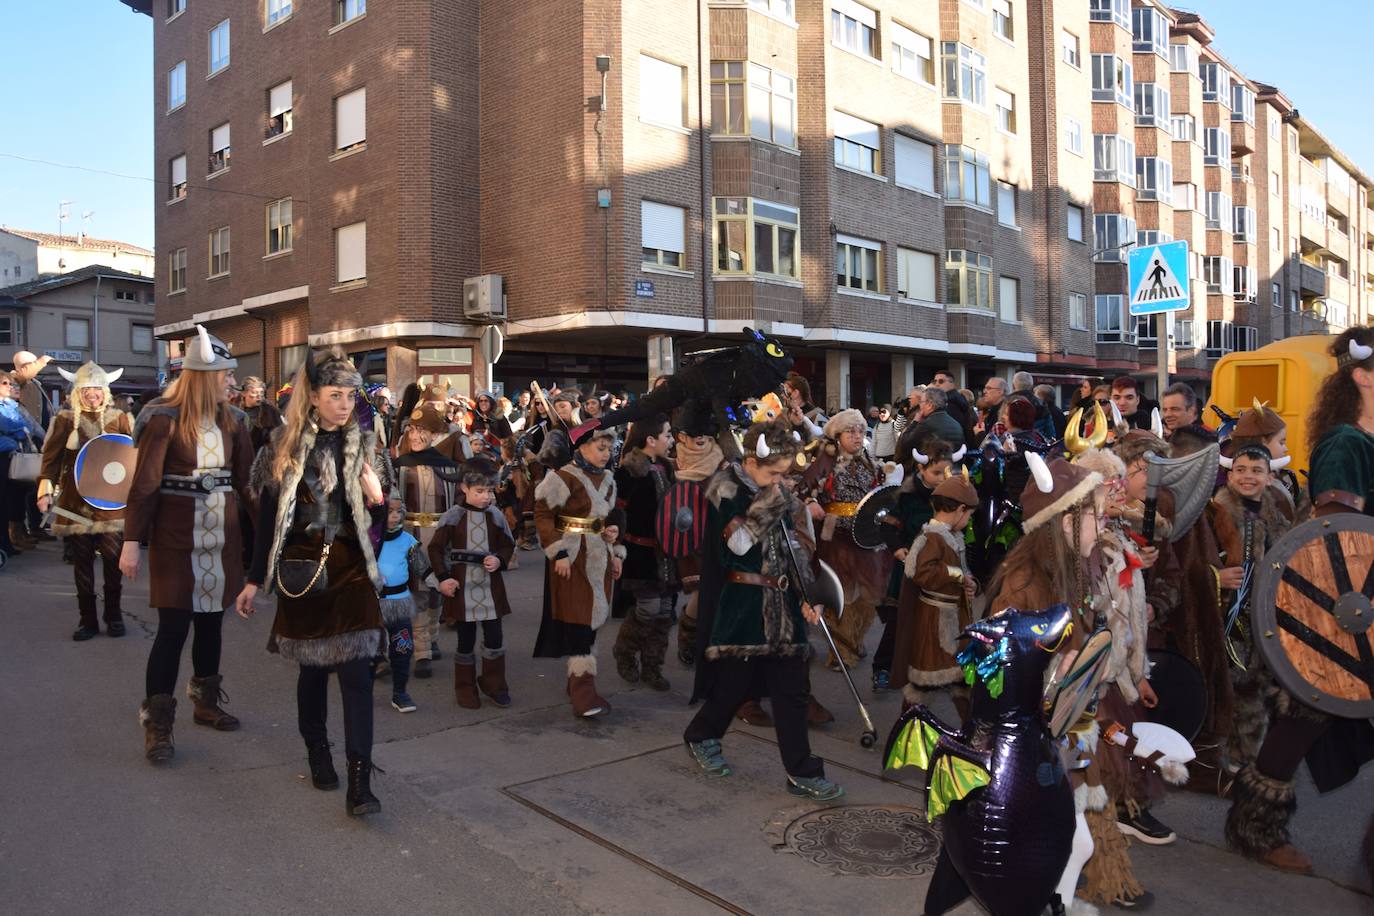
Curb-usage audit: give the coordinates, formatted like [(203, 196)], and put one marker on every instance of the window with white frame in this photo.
[(219, 251), (1218, 273), (177, 177), (76, 333), (1009, 299), (1069, 49), (175, 8), (1073, 136), (858, 264), (1245, 283), (279, 226), (1150, 31), (350, 120), (140, 338), (755, 237), (1075, 223), (1216, 82), (176, 85), (728, 87), (1006, 110), (662, 234), (1112, 321), (176, 271), (277, 10), (10, 326), (772, 106), (966, 73), (1294, 303), (858, 144), (915, 165), (1242, 103), (1003, 24), (916, 275), (1276, 295), (348, 10), (1274, 127), (1274, 185), (967, 177), (968, 279), (1275, 239), (1113, 159), (1244, 227), (913, 54), (1185, 196), (350, 253), (1113, 234), (662, 99), (1154, 179), (1183, 334), (1145, 237), (1006, 203), (854, 27), (1182, 58), (279, 110), (126, 295), (779, 9), (219, 47), (1217, 209), (1147, 331), (1184, 127), (1216, 146), (1221, 338), (1078, 311), (219, 148), (1152, 105), (1112, 80), (1118, 11)]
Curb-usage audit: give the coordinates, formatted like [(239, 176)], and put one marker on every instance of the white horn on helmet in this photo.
[(112, 377), (1226, 462), (918, 457), (1044, 480), (207, 351), (1359, 352), (69, 376), (959, 455), (1279, 464), (761, 447), (1156, 423)]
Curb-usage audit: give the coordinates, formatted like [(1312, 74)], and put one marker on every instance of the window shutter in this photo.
[(1008, 297), (219, 138), (857, 11), (350, 118), (662, 227), (918, 280), (351, 252), (915, 163), (280, 100), (660, 91), (859, 131), (909, 39), (179, 170)]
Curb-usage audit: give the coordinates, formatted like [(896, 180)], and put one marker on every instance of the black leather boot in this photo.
[(360, 799), (322, 772)]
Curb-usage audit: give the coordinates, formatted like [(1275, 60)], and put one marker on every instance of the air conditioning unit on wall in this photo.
[(484, 298)]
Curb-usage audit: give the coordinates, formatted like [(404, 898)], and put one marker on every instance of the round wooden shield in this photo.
[(1312, 616), (876, 526), (1182, 693), (681, 522), (1070, 694), (104, 470)]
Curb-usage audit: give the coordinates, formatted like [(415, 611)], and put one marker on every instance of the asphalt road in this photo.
[(524, 810)]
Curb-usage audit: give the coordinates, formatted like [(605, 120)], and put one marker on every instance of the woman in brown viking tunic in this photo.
[(194, 460), (321, 493)]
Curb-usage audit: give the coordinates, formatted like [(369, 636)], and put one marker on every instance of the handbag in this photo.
[(25, 464), (299, 577)]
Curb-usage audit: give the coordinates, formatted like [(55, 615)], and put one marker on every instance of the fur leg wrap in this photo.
[(1108, 874), (1261, 808), (579, 665)]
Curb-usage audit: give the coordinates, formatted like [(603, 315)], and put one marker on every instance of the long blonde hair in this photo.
[(297, 418), (198, 399)]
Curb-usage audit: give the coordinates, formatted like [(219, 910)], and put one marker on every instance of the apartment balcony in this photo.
[(1311, 280), (1242, 138)]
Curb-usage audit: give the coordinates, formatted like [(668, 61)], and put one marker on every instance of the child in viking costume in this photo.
[(86, 529), (427, 477), (321, 493), (469, 551), (842, 475), (754, 616), (1262, 426), (578, 525), (403, 566), (936, 598), (650, 577), (696, 456), (194, 464)]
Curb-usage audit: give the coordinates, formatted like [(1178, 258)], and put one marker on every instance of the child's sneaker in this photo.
[(708, 757), (402, 702), (816, 788)]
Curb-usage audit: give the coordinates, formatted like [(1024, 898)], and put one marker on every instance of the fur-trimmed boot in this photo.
[(1257, 824), (586, 702), (206, 693), (653, 647), (156, 716), (626, 649), (465, 681), (492, 681), (687, 635), (359, 800), (322, 773)]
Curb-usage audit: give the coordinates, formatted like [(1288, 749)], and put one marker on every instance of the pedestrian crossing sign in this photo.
[(1158, 277)]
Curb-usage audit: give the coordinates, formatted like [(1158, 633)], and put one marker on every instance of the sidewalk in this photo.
[(525, 810)]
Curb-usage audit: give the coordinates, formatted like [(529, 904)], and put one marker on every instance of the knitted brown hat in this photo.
[(957, 488), (427, 417), (1054, 488)]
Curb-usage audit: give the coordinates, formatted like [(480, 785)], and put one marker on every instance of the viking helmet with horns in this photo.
[(207, 353)]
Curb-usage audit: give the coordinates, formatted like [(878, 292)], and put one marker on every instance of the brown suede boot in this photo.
[(465, 682), (1257, 824), (816, 714), (586, 702), (493, 678), (156, 716), (751, 712), (206, 694), (21, 537)]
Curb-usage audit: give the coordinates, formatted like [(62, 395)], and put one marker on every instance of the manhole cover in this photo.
[(868, 841)]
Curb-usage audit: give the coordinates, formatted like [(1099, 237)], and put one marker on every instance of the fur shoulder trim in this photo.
[(147, 413), (452, 516), (553, 490), (722, 485), (635, 463)]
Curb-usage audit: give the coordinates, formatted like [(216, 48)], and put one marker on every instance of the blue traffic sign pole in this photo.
[(1158, 283)]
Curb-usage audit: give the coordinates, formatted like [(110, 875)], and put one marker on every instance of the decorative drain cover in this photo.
[(868, 841)]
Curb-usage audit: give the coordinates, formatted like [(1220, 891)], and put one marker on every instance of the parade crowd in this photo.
[(380, 521)]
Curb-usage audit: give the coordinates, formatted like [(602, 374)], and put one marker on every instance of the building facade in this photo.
[(889, 187), (26, 255)]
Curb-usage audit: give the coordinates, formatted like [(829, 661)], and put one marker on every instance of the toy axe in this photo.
[(1190, 479)]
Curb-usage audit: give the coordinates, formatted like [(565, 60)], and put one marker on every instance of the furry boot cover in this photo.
[(465, 682), (207, 693), (586, 702), (156, 716), (1261, 808), (1108, 874), (493, 679)]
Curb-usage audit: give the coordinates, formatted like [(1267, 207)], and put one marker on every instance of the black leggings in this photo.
[(355, 688), (173, 626), (492, 638)]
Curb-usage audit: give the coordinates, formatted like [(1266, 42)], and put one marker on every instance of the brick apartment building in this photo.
[(889, 186)]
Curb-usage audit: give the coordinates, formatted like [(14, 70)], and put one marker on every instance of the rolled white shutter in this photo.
[(857, 130), (280, 100), (350, 118), (219, 138), (351, 252), (179, 170), (915, 163), (857, 11), (662, 226)]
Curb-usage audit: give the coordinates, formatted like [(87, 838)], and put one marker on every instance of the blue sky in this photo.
[(80, 74)]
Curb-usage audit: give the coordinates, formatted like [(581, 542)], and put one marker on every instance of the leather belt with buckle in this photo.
[(198, 485), (469, 557), (390, 591), (571, 524), (762, 581), (424, 519), (637, 540)]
